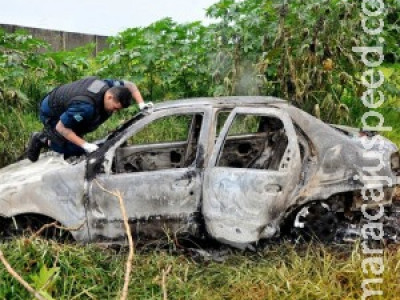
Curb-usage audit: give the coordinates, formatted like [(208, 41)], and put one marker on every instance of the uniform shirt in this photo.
[(78, 114)]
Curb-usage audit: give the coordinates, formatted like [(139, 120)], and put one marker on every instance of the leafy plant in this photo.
[(21, 65), (166, 60), (44, 282), (297, 50)]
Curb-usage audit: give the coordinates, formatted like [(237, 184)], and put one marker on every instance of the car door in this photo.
[(247, 187), (159, 180)]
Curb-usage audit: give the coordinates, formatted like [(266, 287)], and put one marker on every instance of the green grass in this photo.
[(391, 108), (15, 129), (279, 272)]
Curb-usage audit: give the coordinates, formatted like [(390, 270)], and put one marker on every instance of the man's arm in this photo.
[(71, 136), (134, 91)]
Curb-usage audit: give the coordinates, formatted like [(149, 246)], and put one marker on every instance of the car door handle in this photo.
[(272, 188)]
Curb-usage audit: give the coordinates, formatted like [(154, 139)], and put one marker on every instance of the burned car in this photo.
[(234, 169)]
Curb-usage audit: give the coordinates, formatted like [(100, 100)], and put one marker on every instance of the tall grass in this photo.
[(279, 272), (391, 109), (15, 129)]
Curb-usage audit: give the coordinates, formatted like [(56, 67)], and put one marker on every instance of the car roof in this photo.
[(228, 102), (231, 101)]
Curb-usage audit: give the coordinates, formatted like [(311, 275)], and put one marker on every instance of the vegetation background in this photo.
[(297, 50)]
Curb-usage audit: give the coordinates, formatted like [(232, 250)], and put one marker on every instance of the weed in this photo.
[(279, 272)]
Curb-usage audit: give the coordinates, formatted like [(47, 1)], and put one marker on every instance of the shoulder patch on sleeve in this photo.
[(96, 86), (78, 117)]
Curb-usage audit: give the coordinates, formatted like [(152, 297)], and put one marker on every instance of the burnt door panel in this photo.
[(243, 203), (168, 197), (238, 204)]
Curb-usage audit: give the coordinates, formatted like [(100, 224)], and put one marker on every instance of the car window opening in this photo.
[(257, 142), (166, 143)]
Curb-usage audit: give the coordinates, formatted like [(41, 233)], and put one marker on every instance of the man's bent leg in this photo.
[(36, 142)]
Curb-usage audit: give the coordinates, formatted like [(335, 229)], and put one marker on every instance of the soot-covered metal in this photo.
[(234, 169)]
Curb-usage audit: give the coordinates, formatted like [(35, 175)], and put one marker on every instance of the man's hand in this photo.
[(89, 148), (146, 108)]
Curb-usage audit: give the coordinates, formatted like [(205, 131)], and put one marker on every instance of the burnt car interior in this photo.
[(257, 142), (149, 149)]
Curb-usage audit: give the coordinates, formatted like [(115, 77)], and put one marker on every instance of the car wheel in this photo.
[(316, 220), (29, 224)]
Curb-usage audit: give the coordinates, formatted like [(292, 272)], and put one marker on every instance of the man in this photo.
[(70, 111)]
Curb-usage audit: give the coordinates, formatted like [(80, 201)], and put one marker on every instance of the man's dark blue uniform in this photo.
[(70, 111), (72, 118)]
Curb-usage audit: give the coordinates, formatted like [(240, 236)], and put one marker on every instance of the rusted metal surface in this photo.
[(237, 189)]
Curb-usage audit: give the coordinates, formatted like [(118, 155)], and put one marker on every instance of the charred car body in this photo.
[(236, 169)]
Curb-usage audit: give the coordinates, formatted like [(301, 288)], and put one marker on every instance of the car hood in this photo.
[(51, 187), (25, 172)]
